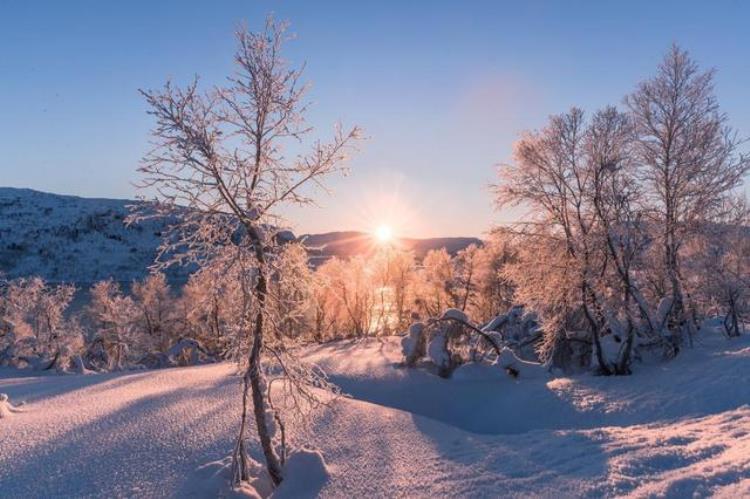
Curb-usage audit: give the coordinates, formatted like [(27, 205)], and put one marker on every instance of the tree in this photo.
[(155, 306), (718, 266), (42, 335), (495, 292), (578, 175), (438, 290), (402, 281), (689, 161), (290, 287), (466, 263), (220, 170), (212, 300), (113, 316)]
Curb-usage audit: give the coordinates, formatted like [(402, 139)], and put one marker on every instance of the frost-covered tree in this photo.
[(465, 264), (611, 192), (326, 308), (41, 334), (689, 161), (402, 279), (211, 301), (352, 285), (717, 266), (494, 291), (577, 175), (155, 307), (113, 317), (393, 272), (222, 170), (438, 287), (291, 288)]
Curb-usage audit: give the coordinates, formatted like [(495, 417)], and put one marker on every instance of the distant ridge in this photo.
[(350, 243), (82, 240)]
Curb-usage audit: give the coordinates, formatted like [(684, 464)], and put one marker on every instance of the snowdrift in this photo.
[(676, 429)]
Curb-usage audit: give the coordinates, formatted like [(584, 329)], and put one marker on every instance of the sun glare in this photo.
[(383, 234)]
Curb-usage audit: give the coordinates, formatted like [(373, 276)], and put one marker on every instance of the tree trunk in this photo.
[(257, 384), (254, 372)]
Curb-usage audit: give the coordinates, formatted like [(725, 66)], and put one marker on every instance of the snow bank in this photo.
[(677, 429), (413, 344), (305, 474), (213, 480)]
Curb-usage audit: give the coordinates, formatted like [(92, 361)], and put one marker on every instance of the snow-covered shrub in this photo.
[(114, 342), (155, 317), (453, 342), (414, 345), (518, 330), (438, 352), (37, 333)]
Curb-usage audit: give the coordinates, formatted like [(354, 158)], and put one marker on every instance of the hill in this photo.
[(83, 240)]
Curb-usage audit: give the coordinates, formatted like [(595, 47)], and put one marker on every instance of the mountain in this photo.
[(83, 240), (351, 243), (73, 239)]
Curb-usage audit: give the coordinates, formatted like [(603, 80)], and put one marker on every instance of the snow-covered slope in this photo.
[(83, 240), (72, 239), (676, 430)]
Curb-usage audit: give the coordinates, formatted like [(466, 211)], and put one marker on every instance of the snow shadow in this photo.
[(711, 380), (32, 386), (501, 406), (150, 444), (542, 455)]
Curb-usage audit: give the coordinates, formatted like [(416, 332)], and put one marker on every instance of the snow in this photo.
[(412, 345), (455, 314), (437, 350), (305, 474), (213, 480), (7, 409), (676, 429)]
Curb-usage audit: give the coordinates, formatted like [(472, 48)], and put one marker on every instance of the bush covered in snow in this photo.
[(453, 341)]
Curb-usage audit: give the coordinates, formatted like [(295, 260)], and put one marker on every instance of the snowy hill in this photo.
[(83, 240), (679, 429), (72, 239)]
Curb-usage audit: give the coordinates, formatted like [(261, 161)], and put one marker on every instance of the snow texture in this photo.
[(305, 474), (677, 429)]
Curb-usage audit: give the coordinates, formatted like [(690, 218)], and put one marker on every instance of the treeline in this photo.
[(638, 225), (380, 294)]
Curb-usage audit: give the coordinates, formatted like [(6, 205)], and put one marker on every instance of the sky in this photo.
[(442, 89)]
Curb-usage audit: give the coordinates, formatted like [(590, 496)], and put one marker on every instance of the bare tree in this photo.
[(155, 304), (550, 175), (689, 161), (113, 317), (43, 337), (219, 168), (718, 266), (579, 175)]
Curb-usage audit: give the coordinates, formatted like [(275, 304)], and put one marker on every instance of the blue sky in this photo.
[(441, 88)]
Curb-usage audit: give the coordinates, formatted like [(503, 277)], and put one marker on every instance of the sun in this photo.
[(384, 234)]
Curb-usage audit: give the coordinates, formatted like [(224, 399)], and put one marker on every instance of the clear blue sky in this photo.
[(441, 88)]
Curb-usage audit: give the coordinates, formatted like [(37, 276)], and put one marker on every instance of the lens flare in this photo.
[(384, 234)]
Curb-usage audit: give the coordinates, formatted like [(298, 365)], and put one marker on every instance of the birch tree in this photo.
[(221, 167), (689, 161)]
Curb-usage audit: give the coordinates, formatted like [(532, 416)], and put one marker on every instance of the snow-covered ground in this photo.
[(679, 429)]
